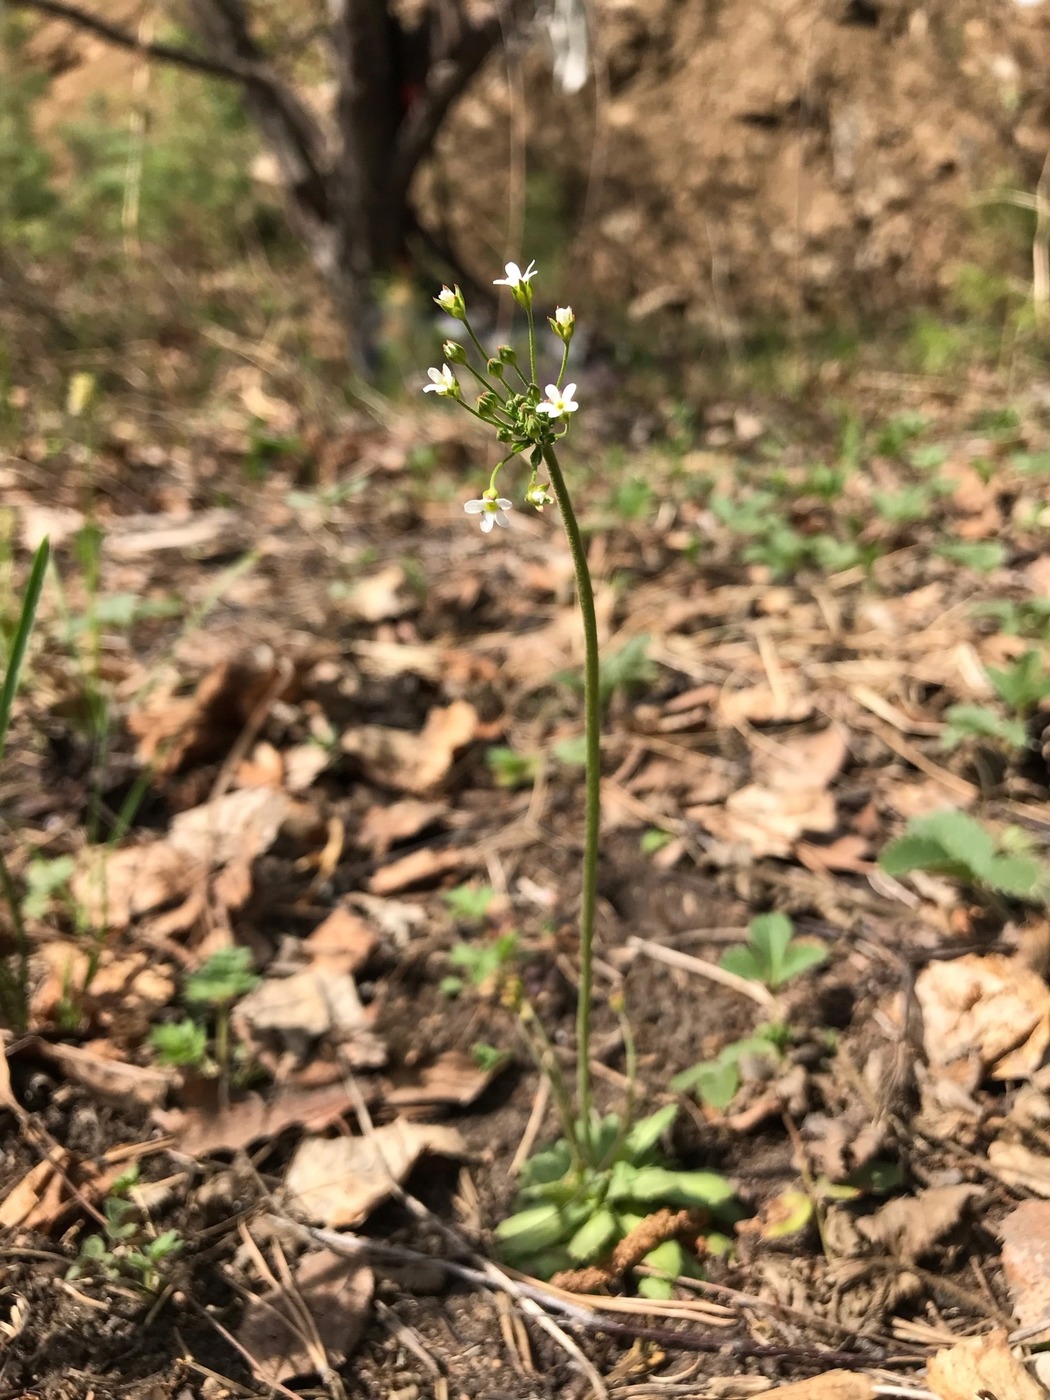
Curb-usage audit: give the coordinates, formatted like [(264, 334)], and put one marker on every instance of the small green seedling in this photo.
[(512, 770), (772, 954), (1028, 618), (570, 1214), (956, 845), (717, 1082), (218, 983), (469, 904), (488, 1058), (181, 1044), (124, 1250), (895, 435), (1023, 684), (485, 964), (980, 555), (978, 722), (45, 879)]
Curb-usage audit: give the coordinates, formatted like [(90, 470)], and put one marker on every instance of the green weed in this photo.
[(772, 954)]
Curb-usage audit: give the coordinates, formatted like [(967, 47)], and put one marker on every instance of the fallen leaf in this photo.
[(1025, 1234), (826, 1385), (768, 822), (1017, 1165), (848, 853), (236, 826), (380, 596), (909, 1226), (981, 1365), (422, 868), (202, 1131), (176, 732), (298, 1011), (112, 887), (336, 1294), (453, 1078), (382, 826), (113, 1079), (802, 761), (759, 705), (414, 762), (338, 1181), (990, 1006), (343, 942)]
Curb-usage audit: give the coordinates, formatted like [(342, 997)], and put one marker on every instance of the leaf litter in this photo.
[(312, 802)]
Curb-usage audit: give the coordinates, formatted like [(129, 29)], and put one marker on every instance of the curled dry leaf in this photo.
[(336, 1293), (338, 1181), (1025, 1234), (414, 762), (343, 942), (382, 826), (992, 1007), (293, 1013), (422, 868), (202, 1131), (981, 1366), (454, 1078), (909, 1226)]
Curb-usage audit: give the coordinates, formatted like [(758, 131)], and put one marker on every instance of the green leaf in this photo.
[(647, 1132), (981, 555), (20, 643), (789, 1214), (549, 1165), (975, 721), (594, 1237), (222, 979), (744, 963), (654, 840), (714, 1081), (673, 1262), (800, 957), (572, 752), (657, 1185), (538, 1228), (769, 935)]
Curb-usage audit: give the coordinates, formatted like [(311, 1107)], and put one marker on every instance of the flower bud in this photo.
[(487, 405), (452, 303), (505, 435), (563, 323), (454, 353), (538, 495), (507, 356), (495, 368)]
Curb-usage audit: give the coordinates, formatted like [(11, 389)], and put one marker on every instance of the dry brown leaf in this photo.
[(453, 1078), (415, 762), (295, 1012), (760, 705), (382, 826), (847, 853), (909, 1226), (236, 826), (1017, 1165), (176, 732), (338, 1181), (422, 868), (336, 1293), (380, 596), (1025, 1234), (264, 768), (36, 1196), (199, 1132), (303, 763), (828, 1385), (112, 887), (981, 1365), (801, 761), (343, 942), (991, 1006), (109, 1078), (767, 822)]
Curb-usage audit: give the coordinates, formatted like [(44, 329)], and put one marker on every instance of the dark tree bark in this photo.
[(347, 195)]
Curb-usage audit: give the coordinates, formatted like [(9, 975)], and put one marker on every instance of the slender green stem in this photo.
[(14, 987), (546, 1060), (593, 719), (564, 363), (476, 342), (532, 339), (20, 644)]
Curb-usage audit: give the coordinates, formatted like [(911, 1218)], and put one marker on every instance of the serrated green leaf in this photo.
[(976, 722), (547, 1166)]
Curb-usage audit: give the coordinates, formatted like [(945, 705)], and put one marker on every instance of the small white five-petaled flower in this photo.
[(492, 509), (443, 381), (515, 277), (559, 403), (563, 318)]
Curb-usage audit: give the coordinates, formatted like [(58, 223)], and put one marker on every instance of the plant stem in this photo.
[(593, 722)]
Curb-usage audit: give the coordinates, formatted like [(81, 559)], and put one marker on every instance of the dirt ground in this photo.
[(786, 728)]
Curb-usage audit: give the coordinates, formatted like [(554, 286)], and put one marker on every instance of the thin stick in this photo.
[(687, 963)]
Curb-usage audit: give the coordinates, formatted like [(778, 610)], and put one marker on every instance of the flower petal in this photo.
[(487, 522), (504, 504), (568, 392), (474, 507)]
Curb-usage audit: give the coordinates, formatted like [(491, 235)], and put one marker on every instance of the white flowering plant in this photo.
[(601, 1181)]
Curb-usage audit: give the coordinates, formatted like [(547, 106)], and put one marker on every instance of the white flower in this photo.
[(559, 403), (563, 318), (492, 509), (515, 278), (443, 381), (451, 302), (537, 495)]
